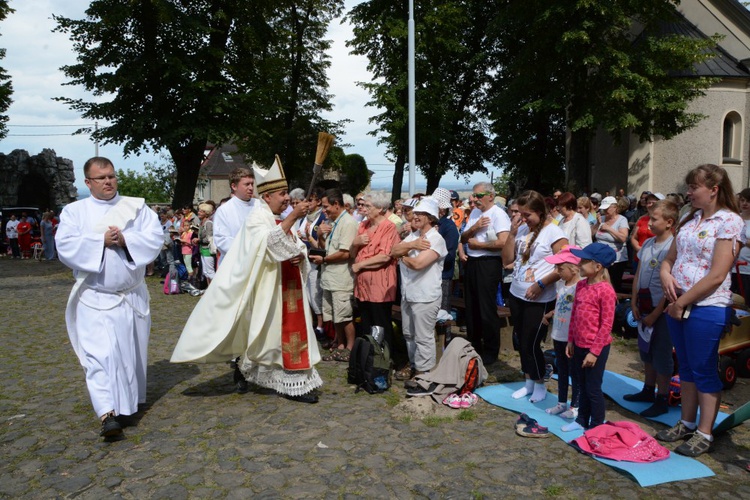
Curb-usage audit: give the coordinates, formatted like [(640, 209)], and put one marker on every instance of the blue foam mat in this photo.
[(674, 468), (616, 386)]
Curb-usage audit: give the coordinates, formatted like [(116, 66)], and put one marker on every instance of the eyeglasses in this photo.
[(360, 203), (481, 195), (103, 178)]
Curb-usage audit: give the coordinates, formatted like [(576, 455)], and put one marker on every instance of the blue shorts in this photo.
[(696, 342)]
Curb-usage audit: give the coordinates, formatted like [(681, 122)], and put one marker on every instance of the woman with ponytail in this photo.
[(533, 236)]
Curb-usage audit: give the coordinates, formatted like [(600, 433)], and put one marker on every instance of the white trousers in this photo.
[(209, 266), (418, 326)]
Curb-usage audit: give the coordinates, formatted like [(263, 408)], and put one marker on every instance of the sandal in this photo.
[(331, 356), (342, 355), (533, 431)]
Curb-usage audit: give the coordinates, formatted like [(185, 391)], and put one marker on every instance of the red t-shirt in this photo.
[(642, 232)]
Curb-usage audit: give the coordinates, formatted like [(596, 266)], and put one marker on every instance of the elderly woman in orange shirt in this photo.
[(373, 267)]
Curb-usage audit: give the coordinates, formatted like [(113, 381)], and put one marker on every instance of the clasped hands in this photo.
[(114, 237)]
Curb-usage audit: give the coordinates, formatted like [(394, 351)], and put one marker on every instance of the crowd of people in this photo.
[(276, 264), (24, 231)]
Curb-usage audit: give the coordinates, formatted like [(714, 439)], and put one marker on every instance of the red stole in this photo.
[(294, 348)]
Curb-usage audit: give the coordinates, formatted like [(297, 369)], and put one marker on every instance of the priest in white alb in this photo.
[(256, 307), (108, 240), (230, 216)]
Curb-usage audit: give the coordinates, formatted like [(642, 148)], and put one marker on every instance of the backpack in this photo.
[(471, 378), (370, 365)]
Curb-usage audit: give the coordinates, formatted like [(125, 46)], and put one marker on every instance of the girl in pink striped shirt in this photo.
[(591, 332)]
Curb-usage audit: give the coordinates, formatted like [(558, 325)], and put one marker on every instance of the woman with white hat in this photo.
[(421, 257), (613, 232)]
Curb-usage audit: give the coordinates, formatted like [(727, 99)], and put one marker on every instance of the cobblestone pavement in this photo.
[(198, 439)]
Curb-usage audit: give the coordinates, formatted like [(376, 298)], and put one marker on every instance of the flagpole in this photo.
[(412, 120)]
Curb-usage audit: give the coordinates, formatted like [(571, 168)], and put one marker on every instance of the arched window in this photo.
[(732, 139)]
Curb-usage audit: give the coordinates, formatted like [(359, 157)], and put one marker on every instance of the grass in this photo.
[(391, 398), (467, 415), (434, 421), (554, 490)]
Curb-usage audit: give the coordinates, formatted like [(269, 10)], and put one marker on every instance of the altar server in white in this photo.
[(230, 217), (107, 240)]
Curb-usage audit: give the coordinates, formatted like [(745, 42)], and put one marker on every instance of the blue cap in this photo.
[(598, 252)]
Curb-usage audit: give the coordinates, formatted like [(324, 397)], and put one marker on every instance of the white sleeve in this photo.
[(582, 232), (501, 221), (222, 237)]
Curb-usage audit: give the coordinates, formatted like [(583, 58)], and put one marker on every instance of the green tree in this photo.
[(143, 185), (581, 65), (452, 75), (297, 62), (6, 88), (175, 75)]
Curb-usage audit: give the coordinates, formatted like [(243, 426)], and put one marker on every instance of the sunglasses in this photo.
[(480, 195)]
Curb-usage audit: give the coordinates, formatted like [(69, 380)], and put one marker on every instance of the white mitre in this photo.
[(272, 179)]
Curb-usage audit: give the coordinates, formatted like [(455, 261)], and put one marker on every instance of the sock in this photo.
[(573, 426), (690, 425), (540, 392), (525, 390), (709, 437), (557, 409)]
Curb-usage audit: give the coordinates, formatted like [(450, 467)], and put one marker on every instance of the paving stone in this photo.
[(197, 439)]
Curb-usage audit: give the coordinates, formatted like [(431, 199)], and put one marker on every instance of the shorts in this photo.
[(338, 306), (659, 354)]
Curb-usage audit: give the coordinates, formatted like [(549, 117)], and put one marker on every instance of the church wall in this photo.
[(703, 143)]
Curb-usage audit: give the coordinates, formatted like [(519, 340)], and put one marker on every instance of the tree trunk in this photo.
[(398, 176), (433, 179), (187, 161), (579, 162)]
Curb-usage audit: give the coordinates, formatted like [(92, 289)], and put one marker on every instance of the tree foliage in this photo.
[(504, 81), (452, 76), (582, 65), (168, 74), (6, 88), (155, 184)]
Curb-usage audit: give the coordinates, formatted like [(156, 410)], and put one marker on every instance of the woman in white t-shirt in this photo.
[(532, 291), (576, 228), (613, 232), (421, 255)]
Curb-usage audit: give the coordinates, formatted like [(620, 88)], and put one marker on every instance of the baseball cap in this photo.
[(596, 196), (598, 252), (443, 197), (658, 196), (564, 256), (454, 195), (427, 205), (607, 202), (410, 203)]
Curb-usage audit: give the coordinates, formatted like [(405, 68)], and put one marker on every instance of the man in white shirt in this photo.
[(230, 217), (11, 231), (485, 233)]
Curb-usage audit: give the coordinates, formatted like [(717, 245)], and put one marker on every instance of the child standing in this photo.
[(566, 265), (648, 304), (591, 332)]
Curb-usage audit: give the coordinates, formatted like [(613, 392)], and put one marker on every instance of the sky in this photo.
[(34, 55)]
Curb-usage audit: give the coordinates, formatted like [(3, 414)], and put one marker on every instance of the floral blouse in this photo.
[(695, 252)]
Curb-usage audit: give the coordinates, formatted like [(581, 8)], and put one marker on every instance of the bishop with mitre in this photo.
[(256, 307)]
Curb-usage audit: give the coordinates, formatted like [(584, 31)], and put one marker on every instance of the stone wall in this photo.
[(46, 179)]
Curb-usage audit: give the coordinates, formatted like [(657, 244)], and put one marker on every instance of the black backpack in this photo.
[(370, 365)]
